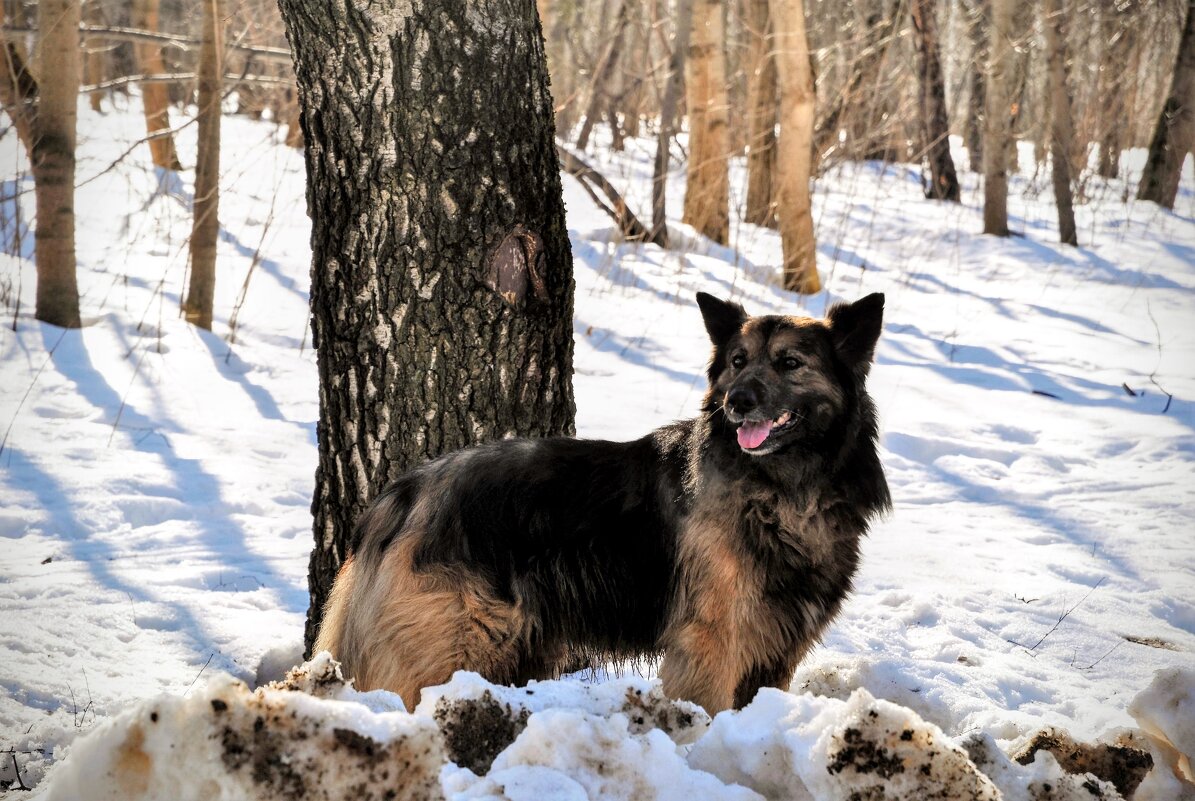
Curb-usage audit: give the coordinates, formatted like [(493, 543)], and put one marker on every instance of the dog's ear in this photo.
[(855, 328), (722, 319)]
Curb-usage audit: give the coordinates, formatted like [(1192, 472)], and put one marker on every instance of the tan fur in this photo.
[(407, 630), (714, 635)]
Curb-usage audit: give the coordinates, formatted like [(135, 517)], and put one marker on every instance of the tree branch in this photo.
[(626, 220)]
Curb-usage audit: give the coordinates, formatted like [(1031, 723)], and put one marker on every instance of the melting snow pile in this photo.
[(312, 736)]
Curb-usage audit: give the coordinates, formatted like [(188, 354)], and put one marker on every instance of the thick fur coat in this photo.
[(726, 542)]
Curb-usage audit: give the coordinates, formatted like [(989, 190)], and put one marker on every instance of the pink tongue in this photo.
[(752, 434)]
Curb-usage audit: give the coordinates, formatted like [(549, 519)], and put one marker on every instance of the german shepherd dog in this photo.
[(727, 541)]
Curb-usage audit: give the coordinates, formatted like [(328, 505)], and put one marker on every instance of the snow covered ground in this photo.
[(1038, 569)]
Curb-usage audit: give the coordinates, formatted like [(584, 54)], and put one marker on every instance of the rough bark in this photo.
[(205, 227), (1174, 135), (155, 97), (997, 132), (673, 89), (601, 77), (761, 115), (935, 124), (442, 280), (1061, 125), (53, 161), (794, 160), (707, 193), (977, 28)]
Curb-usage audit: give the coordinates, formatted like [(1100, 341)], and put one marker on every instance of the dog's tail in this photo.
[(333, 629)]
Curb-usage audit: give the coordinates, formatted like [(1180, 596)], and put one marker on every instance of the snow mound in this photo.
[(1165, 711), (312, 736), (309, 737)]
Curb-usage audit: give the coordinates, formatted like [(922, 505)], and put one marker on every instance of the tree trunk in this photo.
[(668, 120), (53, 161), (601, 77), (1116, 80), (997, 133), (794, 159), (1174, 135), (707, 193), (1061, 125), (761, 115), (155, 97), (442, 280), (935, 123), (205, 228), (976, 68)]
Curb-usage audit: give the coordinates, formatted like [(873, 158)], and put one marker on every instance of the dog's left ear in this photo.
[(855, 328), (722, 319)]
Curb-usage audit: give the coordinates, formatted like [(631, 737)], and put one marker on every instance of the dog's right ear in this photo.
[(722, 319)]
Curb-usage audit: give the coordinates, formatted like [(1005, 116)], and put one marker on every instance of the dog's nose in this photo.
[(741, 400)]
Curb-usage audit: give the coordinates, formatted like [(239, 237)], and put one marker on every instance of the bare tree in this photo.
[(976, 69), (1061, 126), (707, 193), (997, 134), (52, 136), (669, 103), (601, 76), (1115, 80), (794, 159), (93, 47), (934, 120), (1174, 135), (442, 281), (154, 96), (205, 227), (761, 114)]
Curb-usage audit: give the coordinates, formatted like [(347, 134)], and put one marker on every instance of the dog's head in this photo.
[(783, 380)]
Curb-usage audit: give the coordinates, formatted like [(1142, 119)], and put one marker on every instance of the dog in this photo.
[(726, 542)]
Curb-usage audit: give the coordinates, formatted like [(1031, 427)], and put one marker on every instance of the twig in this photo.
[(1061, 618), (1158, 331), (1106, 654), (17, 770), (200, 673)]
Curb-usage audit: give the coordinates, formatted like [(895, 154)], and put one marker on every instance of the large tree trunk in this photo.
[(707, 193), (1174, 135), (668, 120), (761, 114), (155, 97), (997, 132), (53, 161), (977, 28), (1061, 126), (794, 160), (935, 124), (442, 280), (205, 226)]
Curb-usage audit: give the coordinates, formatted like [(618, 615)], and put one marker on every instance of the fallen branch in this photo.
[(117, 34), (626, 220)]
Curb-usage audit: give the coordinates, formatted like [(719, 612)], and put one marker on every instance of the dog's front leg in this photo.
[(700, 665)]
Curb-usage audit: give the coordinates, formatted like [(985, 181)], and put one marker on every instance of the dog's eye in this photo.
[(737, 361), (790, 363)]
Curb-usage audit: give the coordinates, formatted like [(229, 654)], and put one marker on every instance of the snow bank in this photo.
[(312, 736), (1165, 711)]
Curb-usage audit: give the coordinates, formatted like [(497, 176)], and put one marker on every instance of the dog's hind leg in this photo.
[(423, 626)]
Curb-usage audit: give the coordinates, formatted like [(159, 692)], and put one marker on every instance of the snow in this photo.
[(1038, 569)]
